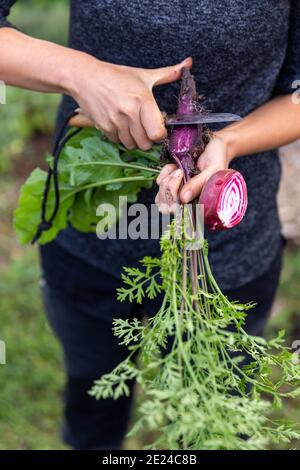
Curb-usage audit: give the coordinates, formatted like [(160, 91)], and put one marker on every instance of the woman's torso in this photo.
[(238, 48)]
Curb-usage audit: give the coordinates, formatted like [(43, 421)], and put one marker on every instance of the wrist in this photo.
[(229, 138), (75, 71)]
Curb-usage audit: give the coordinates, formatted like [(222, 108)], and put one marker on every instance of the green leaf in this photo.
[(28, 214), (83, 212), (80, 161), (86, 162)]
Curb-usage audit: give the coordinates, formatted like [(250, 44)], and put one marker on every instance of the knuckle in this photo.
[(107, 128), (172, 181), (145, 146), (165, 172), (176, 174), (139, 135), (164, 183), (130, 108), (126, 139), (129, 145), (137, 101), (156, 134), (160, 178), (170, 168)]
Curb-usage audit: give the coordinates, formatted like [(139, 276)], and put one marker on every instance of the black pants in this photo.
[(81, 304)]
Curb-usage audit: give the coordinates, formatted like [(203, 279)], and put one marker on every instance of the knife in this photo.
[(80, 120), (200, 118)]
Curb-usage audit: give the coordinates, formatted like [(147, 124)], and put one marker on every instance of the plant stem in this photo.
[(121, 165), (105, 182)]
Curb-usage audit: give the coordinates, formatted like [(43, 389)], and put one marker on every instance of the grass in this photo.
[(286, 317), (32, 379), (27, 113)]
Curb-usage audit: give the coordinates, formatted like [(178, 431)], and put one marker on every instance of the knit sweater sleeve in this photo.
[(5, 6), (289, 78)]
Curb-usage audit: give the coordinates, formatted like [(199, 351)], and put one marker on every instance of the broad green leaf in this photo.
[(28, 214), (87, 161), (79, 165)]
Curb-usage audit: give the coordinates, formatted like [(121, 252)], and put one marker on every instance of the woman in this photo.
[(246, 58)]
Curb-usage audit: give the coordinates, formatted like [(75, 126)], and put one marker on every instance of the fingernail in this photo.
[(158, 179), (186, 59), (187, 196)]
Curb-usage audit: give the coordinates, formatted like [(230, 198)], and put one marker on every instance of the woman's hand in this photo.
[(170, 181), (119, 99), (272, 125)]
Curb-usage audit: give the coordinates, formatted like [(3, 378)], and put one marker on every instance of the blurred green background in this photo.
[(32, 381)]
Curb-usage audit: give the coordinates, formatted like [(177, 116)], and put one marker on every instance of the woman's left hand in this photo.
[(215, 157), (275, 123)]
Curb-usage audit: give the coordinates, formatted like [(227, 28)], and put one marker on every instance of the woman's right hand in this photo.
[(119, 99)]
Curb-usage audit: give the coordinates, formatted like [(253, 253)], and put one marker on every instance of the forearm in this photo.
[(118, 99), (38, 65), (272, 125)]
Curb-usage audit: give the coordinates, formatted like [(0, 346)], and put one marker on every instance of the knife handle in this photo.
[(80, 120)]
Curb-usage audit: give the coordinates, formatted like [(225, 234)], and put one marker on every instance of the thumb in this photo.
[(169, 74), (194, 186)]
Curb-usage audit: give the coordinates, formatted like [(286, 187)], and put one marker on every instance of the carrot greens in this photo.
[(207, 383)]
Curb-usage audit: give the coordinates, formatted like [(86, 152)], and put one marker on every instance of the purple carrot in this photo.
[(186, 142)]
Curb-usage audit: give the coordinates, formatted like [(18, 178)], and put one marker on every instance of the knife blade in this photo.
[(80, 120), (200, 118)]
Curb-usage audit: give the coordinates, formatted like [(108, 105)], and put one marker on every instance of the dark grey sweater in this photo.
[(244, 52)]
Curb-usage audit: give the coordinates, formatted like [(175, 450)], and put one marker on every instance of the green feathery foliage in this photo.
[(190, 360)]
